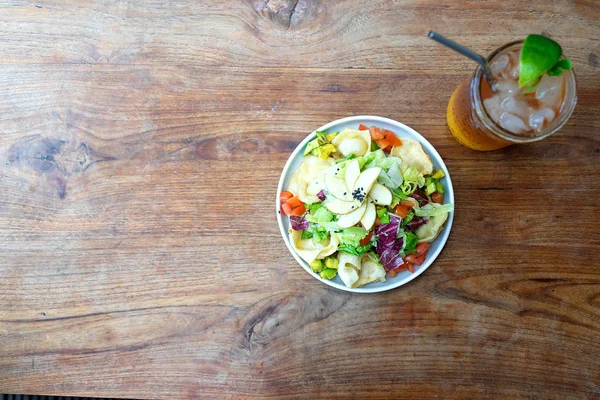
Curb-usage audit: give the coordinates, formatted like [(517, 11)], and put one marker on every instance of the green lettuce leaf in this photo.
[(320, 215), (355, 250), (410, 242), (316, 233), (412, 181), (379, 159), (433, 210), (352, 236)]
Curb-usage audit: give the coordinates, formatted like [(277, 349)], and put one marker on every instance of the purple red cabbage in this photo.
[(388, 246), (420, 197), (415, 223), (321, 195), (298, 223)]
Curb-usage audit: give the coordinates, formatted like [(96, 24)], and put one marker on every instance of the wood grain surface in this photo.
[(140, 147)]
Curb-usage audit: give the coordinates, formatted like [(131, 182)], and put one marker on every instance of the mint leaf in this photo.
[(557, 70)]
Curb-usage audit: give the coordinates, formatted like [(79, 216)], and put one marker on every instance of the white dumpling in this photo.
[(428, 232), (412, 155), (309, 251), (370, 271), (347, 259), (348, 266), (308, 179), (352, 141)]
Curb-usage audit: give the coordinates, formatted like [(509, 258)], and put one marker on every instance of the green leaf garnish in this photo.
[(540, 55), (561, 65)]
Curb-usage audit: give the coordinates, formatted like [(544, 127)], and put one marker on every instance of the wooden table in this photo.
[(140, 149)]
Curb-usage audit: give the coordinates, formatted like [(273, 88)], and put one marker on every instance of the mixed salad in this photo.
[(364, 204)]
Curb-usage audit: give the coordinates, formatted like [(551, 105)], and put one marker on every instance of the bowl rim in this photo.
[(429, 149)]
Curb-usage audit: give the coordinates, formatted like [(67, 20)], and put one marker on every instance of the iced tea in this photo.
[(482, 119)]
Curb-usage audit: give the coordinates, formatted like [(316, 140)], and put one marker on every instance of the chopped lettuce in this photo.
[(378, 158), (374, 256), (320, 215), (395, 175), (316, 233), (392, 178), (409, 216), (397, 197), (410, 242), (412, 181), (352, 236), (350, 157), (433, 210), (385, 179), (355, 250)]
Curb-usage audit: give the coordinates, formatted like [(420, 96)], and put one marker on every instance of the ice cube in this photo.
[(516, 106), (508, 86), (492, 106), (550, 90), (536, 120), (512, 123), (515, 65), (514, 72), (499, 64)]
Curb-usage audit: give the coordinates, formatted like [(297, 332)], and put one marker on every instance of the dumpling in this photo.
[(428, 232), (309, 251), (308, 179), (370, 271), (348, 266), (412, 155), (349, 260), (352, 141)]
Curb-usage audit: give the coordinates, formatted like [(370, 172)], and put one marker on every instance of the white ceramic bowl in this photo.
[(400, 130)]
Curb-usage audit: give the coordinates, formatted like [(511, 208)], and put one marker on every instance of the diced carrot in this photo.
[(376, 133), (299, 211), (437, 197), (286, 209), (377, 221), (365, 241), (420, 260), (410, 258), (382, 143), (392, 138), (411, 267), (285, 196), (361, 127), (407, 203), (422, 248), (401, 210), (392, 273), (294, 202)]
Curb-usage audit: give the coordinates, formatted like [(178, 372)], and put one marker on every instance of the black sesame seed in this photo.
[(344, 193)]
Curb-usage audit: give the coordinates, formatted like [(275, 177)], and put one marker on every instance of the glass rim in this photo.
[(561, 119)]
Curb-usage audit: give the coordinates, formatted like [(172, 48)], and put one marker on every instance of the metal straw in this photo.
[(465, 51)]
